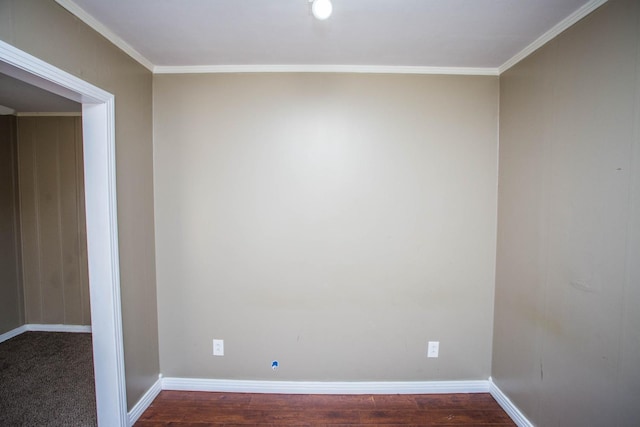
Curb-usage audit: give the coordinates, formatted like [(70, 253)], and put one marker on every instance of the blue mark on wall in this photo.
[(274, 365)]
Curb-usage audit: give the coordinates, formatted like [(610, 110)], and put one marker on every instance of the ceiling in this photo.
[(462, 34), (25, 98)]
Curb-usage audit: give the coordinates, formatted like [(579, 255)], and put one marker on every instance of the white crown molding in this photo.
[(145, 401), (508, 406), (6, 111), (364, 69), (293, 68), (321, 387), (105, 32), (552, 33)]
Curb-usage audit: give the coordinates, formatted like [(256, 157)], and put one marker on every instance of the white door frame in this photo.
[(98, 123)]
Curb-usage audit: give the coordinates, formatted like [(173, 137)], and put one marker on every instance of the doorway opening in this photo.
[(98, 123)]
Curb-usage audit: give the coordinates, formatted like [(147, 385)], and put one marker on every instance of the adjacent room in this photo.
[(46, 369), (323, 206)]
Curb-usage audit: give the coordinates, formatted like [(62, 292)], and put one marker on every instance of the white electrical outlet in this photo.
[(433, 348), (218, 347)]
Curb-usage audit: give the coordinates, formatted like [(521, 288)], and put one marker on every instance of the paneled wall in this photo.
[(11, 304), (54, 249), (566, 339)]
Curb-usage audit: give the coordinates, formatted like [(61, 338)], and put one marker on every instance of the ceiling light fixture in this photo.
[(321, 9)]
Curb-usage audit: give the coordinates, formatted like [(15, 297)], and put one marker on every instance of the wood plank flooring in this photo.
[(180, 408)]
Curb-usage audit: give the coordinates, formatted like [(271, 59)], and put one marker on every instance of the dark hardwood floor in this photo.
[(179, 408)]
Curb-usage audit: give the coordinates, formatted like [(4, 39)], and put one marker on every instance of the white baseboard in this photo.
[(508, 406), (304, 387), (58, 328), (13, 333), (319, 387), (145, 401), (44, 328)]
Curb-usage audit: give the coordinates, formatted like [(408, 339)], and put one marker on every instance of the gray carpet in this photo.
[(46, 379)]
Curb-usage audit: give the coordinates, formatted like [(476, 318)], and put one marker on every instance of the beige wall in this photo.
[(333, 222), (566, 347), (11, 294), (54, 237), (47, 31), (338, 222)]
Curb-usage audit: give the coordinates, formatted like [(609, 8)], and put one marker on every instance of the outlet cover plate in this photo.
[(433, 348), (218, 347)]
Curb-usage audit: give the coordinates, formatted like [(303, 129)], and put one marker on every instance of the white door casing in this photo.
[(98, 124)]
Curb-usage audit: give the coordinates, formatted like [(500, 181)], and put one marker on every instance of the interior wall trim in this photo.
[(98, 121), (321, 387), (301, 68), (13, 333), (6, 111), (49, 114), (552, 33), (102, 29), (58, 328), (512, 410), (145, 401), (44, 328)]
